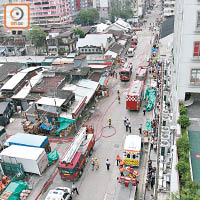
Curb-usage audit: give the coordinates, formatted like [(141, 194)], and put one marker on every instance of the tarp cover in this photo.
[(52, 156), (45, 127), (64, 123), (16, 189), (194, 139), (148, 126), (151, 94)]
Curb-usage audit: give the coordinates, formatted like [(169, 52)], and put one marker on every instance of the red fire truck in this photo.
[(141, 73), (125, 72), (72, 164), (135, 95)]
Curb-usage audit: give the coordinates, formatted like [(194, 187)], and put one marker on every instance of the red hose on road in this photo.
[(51, 179)]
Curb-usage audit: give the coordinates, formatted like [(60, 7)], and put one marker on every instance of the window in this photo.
[(198, 19), (195, 75), (196, 53)]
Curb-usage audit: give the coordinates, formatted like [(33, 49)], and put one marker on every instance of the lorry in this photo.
[(3, 136), (135, 95), (72, 164), (29, 140), (34, 160), (132, 150), (141, 73)]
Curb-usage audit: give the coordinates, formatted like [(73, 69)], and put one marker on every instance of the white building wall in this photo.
[(184, 38)]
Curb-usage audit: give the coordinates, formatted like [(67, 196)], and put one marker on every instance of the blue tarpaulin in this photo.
[(154, 50), (45, 127)]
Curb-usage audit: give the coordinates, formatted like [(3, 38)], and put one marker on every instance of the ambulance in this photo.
[(132, 150)]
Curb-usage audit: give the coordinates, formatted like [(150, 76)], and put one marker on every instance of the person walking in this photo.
[(140, 129), (116, 75), (118, 159), (129, 127), (92, 163), (121, 163), (74, 188), (125, 121), (122, 171), (108, 164), (144, 110), (96, 162), (118, 92)]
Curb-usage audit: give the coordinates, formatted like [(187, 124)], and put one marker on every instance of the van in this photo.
[(3, 136), (131, 52)]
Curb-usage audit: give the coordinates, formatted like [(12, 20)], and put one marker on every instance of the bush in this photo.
[(182, 109), (184, 121)]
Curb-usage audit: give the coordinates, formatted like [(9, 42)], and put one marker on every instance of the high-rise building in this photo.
[(187, 47), (169, 7), (102, 7)]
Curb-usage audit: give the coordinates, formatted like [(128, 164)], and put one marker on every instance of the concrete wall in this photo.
[(184, 38)]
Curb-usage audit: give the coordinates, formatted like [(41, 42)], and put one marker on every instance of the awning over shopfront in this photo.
[(103, 81), (64, 123)]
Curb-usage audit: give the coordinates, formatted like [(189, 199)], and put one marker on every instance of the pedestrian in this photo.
[(129, 126), (125, 121), (119, 99), (152, 197), (96, 163), (92, 163), (122, 171), (155, 146), (109, 122), (118, 159), (118, 92), (108, 164), (116, 75), (144, 110), (74, 188), (152, 143), (140, 129)]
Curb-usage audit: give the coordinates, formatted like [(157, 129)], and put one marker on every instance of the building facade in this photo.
[(169, 7), (187, 47)]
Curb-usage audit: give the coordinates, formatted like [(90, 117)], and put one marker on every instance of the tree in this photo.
[(37, 36), (184, 121), (79, 32), (87, 17), (182, 109)]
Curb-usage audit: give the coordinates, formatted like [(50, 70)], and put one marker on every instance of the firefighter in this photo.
[(118, 159), (109, 122), (119, 99), (96, 163), (118, 92), (122, 171), (121, 163)]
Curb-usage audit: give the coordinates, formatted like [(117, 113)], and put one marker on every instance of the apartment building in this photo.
[(169, 7), (187, 47), (103, 7)]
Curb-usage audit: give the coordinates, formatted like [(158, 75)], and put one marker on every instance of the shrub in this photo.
[(184, 121), (182, 109)]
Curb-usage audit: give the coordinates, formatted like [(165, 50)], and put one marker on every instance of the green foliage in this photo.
[(79, 32), (182, 109), (61, 52), (184, 121), (121, 10), (37, 36), (87, 17)]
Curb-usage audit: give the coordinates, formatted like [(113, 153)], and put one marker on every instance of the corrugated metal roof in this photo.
[(51, 101)]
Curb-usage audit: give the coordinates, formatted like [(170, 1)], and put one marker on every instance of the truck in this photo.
[(132, 150), (72, 164), (131, 52), (135, 95), (141, 73), (34, 160), (29, 140)]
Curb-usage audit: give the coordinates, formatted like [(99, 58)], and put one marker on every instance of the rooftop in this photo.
[(51, 101)]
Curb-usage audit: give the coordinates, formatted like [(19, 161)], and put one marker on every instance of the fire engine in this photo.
[(125, 72), (72, 164), (134, 42), (141, 73), (135, 95)]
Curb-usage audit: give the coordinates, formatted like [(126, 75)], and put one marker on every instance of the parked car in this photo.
[(6, 111), (60, 193)]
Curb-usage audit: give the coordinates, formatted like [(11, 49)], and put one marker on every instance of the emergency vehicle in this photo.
[(134, 41), (132, 150), (141, 73), (72, 164), (125, 72), (131, 52), (135, 95)]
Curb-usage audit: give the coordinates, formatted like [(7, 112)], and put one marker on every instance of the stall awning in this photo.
[(103, 81), (64, 123)]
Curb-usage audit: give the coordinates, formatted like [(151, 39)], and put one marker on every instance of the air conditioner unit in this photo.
[(165, 120), (165, 112), (165, 137), (165, 129)]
